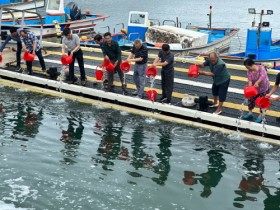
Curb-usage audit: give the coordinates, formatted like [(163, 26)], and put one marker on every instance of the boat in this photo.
[(22, 4), (181, 40), (259, 44), (53, 22)]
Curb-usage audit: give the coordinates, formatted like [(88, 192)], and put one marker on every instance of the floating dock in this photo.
[(201, 86)]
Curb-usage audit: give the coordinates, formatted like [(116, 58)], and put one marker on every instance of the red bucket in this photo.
[(108, 65), (193, 71), (263, 102), (99, 74), (28, 57), (250, 91), (1, 58), (66, 60), (151, 71), (125, 66), (152, 95)]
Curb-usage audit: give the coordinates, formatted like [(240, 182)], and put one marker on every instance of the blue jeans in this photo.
[(139, 78)]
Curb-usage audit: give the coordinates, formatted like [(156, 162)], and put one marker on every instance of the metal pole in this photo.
[(210, 18)]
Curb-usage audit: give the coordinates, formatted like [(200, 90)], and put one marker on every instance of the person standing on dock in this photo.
[(112, 51), (165, 59), (274, 89), (72, 42), (139, 55), (257, 76), (31, 44), (15, 35), (221, 80)]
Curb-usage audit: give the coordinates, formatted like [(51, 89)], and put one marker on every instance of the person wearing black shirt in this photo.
[(165, 59), (139, 55), (273, 90)]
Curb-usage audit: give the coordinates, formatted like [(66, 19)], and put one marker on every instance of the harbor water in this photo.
[(61, 154)]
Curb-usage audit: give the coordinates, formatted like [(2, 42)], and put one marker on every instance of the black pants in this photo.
[(19, 48), (111, 75), (79, 56), (167, 83), (41, 60)]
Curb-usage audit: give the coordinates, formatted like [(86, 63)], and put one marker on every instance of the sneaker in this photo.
[(75, 81), (163, 100), (84, 82), (247, 116), (213, 106), (258, 120), (18, 69), (135, 93)]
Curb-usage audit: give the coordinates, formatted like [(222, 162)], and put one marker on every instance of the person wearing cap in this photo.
[(165, 59), (31, 44), (112, 52), (72, 42), (221, 80), (139, 55), (15, 35), (257, 76)]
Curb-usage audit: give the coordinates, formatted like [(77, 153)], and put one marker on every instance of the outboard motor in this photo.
[(75, 11)]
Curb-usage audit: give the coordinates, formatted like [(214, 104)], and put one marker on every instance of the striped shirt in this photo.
[(142, 52), (31, 38)]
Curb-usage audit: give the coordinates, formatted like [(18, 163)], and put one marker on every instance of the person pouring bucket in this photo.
[(30, 44), (112, 52), (257, 77), (139, 55), (72, 42), (221, 80)]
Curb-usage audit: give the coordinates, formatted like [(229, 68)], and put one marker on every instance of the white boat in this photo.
[(181, 40), (54, 20)]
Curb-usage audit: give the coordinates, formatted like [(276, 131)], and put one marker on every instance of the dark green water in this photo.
[(60, 154)]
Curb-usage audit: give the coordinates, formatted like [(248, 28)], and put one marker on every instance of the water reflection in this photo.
[(110, 144), (212, 177), (164, 154), (72, 137), (27, 121)]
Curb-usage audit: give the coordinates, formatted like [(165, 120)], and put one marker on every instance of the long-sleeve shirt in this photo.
[(254, 76), (113, 52), (9, 38)]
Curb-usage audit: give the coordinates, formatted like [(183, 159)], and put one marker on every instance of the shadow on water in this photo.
[(210, 178), (72, 137)]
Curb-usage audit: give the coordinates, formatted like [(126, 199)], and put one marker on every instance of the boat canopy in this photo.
[(55, 7)]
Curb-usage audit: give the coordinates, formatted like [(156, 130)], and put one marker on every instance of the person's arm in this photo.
[(206, 73), (63, 47), (155, 61), (5, 43)]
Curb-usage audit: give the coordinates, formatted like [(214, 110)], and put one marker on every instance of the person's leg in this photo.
[(72, 70), (222, 92), (169, 83), (141, 79), (29, 67), (41, 59), (136, 78), (215, 93), (80, 59), (18, 55), (110, 77), (163, 84)]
